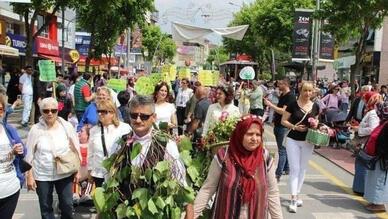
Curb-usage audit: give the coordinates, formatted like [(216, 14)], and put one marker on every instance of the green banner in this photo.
[(47, 70), (117, 84)]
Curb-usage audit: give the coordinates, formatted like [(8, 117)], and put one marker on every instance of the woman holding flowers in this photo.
[(298, 117), (242, 176)]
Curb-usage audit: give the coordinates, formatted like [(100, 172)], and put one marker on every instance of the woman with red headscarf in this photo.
[(242, 176), (362, 132)]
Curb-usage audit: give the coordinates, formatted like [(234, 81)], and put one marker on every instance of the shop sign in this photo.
[(74, 55), (16, 41), (47, 46), (120, 50), (302, 35), (82, 44)]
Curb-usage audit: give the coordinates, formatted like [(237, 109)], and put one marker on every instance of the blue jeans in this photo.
[(27, 105), (63, 187), (280, 132)]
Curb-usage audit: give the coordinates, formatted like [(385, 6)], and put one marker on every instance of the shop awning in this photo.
[(8, 51), (54, 58)]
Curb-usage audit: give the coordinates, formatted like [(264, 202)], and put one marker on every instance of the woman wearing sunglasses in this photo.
[(103, 139), (11, 178), (51, 137), (90, 117)]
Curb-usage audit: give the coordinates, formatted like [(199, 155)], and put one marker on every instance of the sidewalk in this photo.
[(341, 157)]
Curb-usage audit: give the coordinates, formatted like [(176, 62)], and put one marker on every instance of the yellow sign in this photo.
[(184, 73), (205, 77), (74, 55), (216, 78), (117, 84)]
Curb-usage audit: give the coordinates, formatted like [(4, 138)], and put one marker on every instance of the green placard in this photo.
[(47, 70), (117, 84)]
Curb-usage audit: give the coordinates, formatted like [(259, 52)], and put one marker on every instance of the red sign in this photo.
[(47, 46)]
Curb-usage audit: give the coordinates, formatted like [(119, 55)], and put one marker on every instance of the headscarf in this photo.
[(382, 110), (248, 161), (371, 99)]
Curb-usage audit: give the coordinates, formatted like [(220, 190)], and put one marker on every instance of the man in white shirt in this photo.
[(25, 86)]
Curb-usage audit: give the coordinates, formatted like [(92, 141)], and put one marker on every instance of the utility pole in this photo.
[(63, 41), (316, 42)]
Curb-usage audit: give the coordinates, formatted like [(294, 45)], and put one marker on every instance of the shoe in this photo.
[(375, 208), (299, 203), (292, 207), (25, 125)]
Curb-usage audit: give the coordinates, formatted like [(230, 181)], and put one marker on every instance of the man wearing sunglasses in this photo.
[(141, 118)]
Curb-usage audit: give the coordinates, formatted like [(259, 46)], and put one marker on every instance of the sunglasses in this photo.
[(103, 112), (143, 117), (47, 111)]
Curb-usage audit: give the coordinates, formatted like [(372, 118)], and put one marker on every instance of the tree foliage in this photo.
[(217, 55), (107, 20), (30, 12), (157, 44), (364, 14), (270, 27)]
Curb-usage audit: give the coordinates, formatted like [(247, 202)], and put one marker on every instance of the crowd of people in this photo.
[(81, 114)]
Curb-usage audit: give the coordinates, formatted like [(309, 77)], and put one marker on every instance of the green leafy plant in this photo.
[(220, 132), (150, 191)]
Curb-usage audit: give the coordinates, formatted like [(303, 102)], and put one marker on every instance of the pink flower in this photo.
[(224, 116), (313, 122)]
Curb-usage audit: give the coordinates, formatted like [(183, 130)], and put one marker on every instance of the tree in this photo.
[(270, 27), (217, 55), (35, 8), (107, 20), (369, 15), (157, 44)]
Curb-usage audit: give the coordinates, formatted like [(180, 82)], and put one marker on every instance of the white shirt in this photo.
[(43, 145), (172, 154), (214, 114), (164, 112), (26, 81), (183, 97), (368, 123), (9, 183), (96, 152)]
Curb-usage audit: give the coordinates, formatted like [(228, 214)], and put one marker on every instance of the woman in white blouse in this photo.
[(103, 140), (52, 136), (222, 109), (183, 96), (165, 111)]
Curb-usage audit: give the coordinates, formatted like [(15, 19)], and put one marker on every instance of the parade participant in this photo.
[(331, 103), (357, 108), (82, 94), (90, 116), (25, 86), (191, 104), (165, 111), (363, 131), (11, 178), (65, 106), (52, 137), (299, 151), (243, 98), (103, 139), (256, 99), (222, 109), (242, 176), (200, 112), (13, 86), (285, 99), (376, 192), (183, 96), (123, 97)]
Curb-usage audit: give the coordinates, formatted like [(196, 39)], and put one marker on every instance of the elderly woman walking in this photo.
[(51, 138), (376, 189), (11, 178), (242, 176)]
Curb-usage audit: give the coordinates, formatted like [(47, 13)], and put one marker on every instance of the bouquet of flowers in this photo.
[(220, 132)]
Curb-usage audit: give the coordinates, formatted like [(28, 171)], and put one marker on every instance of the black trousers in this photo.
[(8, 205), (180, 114)]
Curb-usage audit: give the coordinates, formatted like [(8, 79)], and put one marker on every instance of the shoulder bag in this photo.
[(69, 162), (103, 141), (368, 161)]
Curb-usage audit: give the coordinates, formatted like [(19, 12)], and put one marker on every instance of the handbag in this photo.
[(366, 160), (69, 162)]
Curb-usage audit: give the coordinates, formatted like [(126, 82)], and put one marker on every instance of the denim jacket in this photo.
[(14, 138)]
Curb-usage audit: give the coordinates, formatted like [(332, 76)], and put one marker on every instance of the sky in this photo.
[(203, 13)]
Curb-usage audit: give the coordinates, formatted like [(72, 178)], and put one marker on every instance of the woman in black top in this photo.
[(299, 151)]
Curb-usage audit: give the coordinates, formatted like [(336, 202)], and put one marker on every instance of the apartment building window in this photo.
[(13, 28), (66, 36), (41, 21)]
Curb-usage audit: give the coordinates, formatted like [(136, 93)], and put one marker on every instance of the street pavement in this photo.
[(326, 193)]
